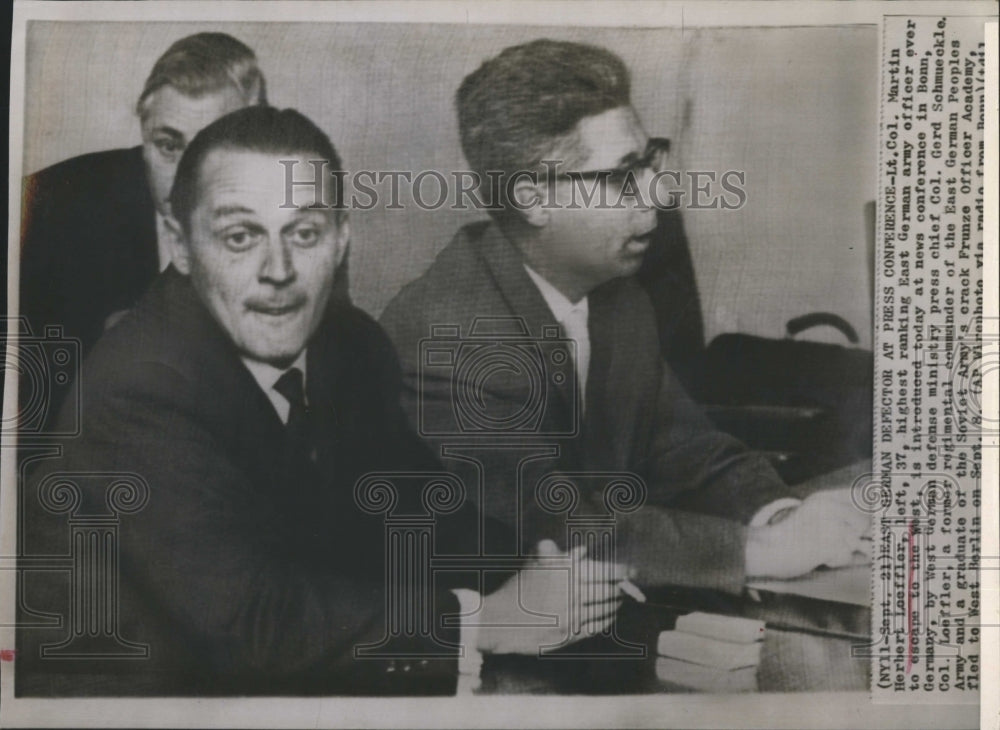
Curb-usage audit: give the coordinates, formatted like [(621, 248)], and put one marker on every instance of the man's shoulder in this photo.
[(163, 328), (347, 329), (122, 161), (101, 187), (458, 277)]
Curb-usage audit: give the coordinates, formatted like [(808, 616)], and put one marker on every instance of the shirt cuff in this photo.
[(769, 511), (470, 659)]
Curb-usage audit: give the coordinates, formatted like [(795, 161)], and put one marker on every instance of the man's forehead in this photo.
[(260, 178), (168, 107), (608, 137)]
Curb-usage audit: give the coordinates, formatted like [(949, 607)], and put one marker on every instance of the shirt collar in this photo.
[(558, 302), (267, 375), (163, 238)]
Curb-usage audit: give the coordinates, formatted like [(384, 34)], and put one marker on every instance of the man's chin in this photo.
[(280, 354), (281, 359)]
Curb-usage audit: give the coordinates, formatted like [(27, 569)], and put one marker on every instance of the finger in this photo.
[(857, 519), (598, 625), (631, 590), (608, 594), (601, 571), (841, 557), (595, 629), (839, 511), (548, 548), (862, 551), (847, 521), (594, 611)]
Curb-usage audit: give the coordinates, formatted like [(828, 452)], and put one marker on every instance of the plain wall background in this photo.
[(795, 108)]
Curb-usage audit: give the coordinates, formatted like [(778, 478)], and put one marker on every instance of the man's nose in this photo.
[(277, 266), (643, 200)]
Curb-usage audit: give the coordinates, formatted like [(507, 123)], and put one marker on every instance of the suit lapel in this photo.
[(608, 392), (326, 406), (202, 352)]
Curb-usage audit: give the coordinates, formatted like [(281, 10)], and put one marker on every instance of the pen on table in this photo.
[(631, 589), (627, 587)]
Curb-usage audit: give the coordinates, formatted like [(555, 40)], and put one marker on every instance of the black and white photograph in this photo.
[(516, 364)]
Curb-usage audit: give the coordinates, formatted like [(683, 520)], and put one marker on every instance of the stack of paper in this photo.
[(711, 653)]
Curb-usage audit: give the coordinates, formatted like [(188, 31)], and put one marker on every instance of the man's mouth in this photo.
[(275, 309), (639, 243)]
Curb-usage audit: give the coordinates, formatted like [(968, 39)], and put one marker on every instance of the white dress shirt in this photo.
[(573, 319), (163, 238)]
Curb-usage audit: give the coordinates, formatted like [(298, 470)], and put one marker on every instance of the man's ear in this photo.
[(180, 253), (527, 200)]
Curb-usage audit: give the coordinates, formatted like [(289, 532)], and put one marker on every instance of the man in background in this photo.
[(555, 261)]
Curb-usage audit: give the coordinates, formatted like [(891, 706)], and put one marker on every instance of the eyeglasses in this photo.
[(654, 158)]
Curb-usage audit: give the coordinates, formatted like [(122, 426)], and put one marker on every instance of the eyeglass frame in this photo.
[(654, 146)]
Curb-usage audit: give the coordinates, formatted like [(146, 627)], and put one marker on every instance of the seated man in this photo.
[(94, 228), (547, 123), (250, 402)]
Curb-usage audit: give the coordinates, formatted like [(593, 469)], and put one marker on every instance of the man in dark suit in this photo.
[(241, 403), (556, 120)]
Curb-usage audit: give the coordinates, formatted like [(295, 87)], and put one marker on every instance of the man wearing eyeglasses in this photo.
[(574, 219)]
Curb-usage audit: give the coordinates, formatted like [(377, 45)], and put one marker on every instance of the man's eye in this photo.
[(305, 236), (619, 176), (168, 146), (240, 239)]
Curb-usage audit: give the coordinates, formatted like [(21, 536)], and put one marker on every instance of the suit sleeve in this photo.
[(194, 551), (705, 470)]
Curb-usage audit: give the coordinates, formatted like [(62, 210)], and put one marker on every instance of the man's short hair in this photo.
[(203, 63), (523, 105), (261, 129)]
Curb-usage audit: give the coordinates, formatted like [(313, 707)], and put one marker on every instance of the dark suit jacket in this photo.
[(246, 572), (703, 486), (88, 243)]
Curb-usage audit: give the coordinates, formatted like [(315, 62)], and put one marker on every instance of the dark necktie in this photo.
[(291, 386)]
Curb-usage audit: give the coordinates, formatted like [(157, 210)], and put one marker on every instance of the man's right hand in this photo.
[(827, 529), (511, 615)]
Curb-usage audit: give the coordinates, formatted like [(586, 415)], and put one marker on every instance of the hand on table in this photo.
[(509, 618), (826, 529)]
